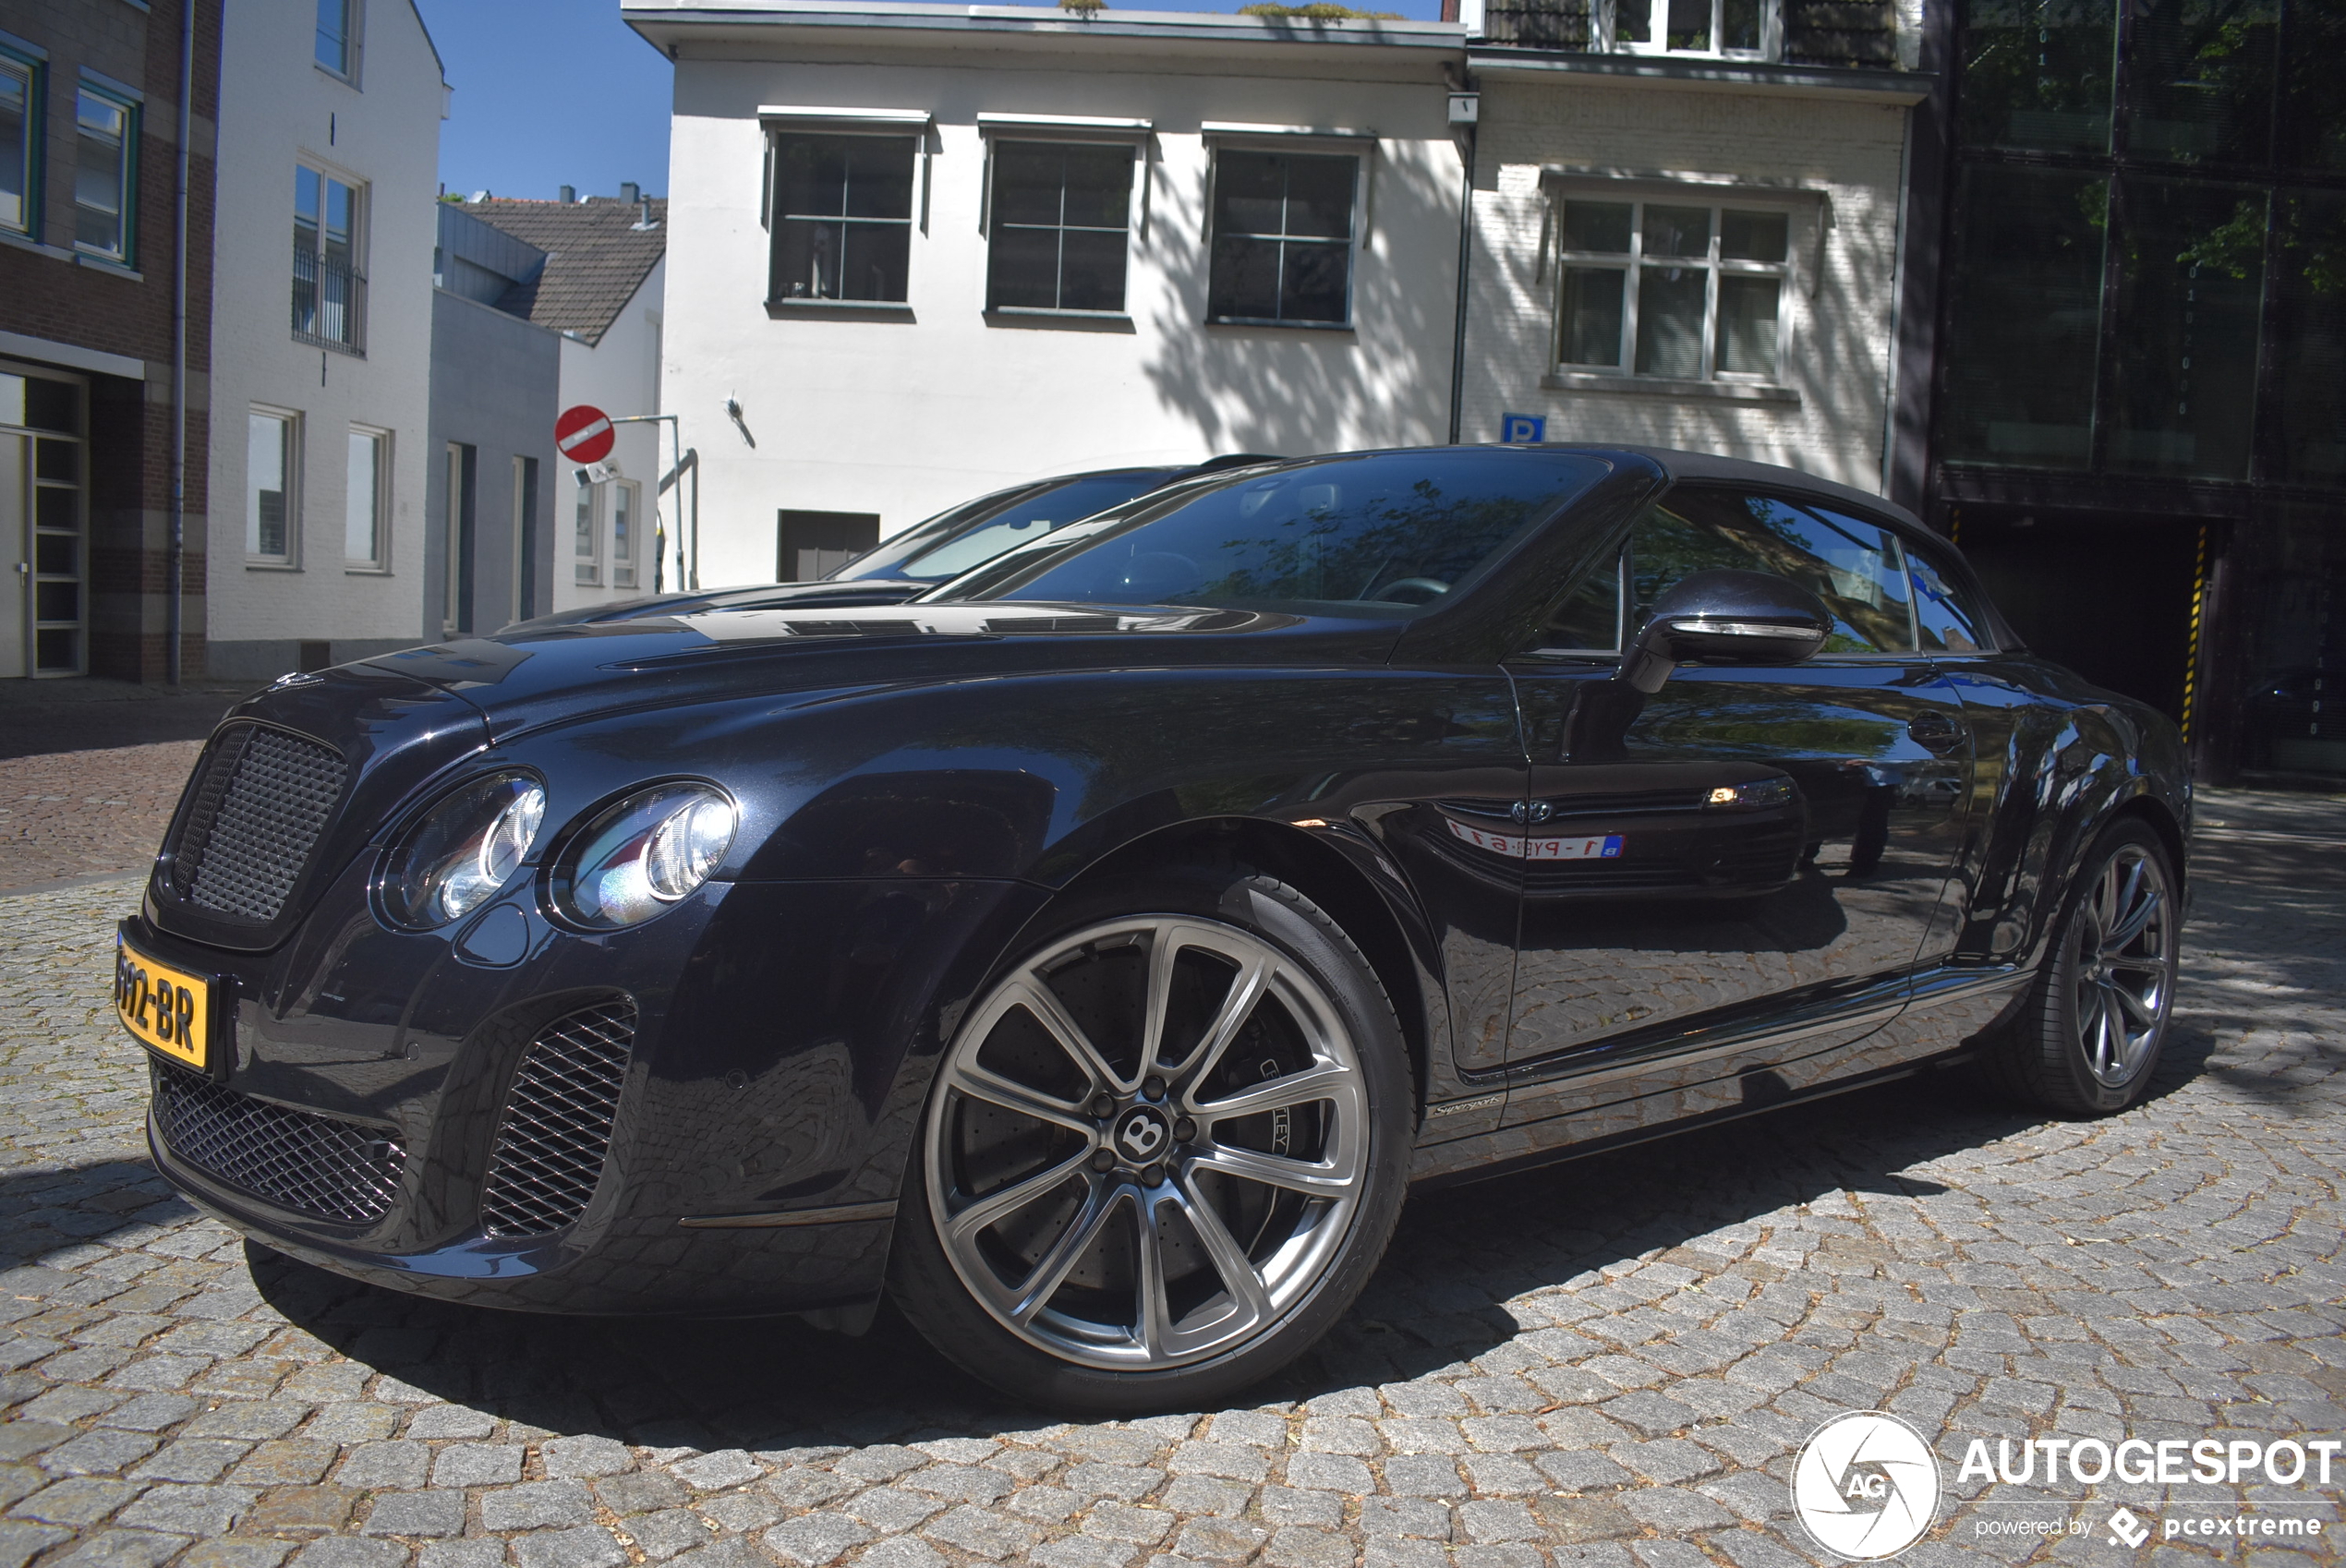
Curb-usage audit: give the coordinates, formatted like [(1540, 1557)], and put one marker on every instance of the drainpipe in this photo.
[(173, 614)]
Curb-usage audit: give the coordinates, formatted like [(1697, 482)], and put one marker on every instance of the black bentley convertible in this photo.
[(1089, 953)]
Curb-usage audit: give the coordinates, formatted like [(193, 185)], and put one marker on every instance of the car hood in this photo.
[(754, 595), (529, 676)]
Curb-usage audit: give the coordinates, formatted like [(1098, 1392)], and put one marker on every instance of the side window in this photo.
[(1945, 618), (1589, 620), (1855, 567), (842, 217)]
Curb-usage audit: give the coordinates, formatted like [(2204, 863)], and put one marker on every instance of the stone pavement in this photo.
[(1609, 1363)]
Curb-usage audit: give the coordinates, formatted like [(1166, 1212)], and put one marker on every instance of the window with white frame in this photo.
[(585, 540), (19, 143), (1060, 226), (368, 500), (329, 285), (338, 37), (627, 502), (842, 214), (272, 463), (1671, 290), (105, 177), (1749, 29), (1283, 233)]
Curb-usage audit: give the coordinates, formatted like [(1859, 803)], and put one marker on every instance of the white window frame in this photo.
[(354, 29), (125, 252), (1805, 211), (624, 563), (1605, 16), (587, 567), (33, 73), (290, 421), (1360, 146), (378, 560), (361, 194)]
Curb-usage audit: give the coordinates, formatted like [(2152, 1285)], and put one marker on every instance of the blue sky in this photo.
[(555, 92)]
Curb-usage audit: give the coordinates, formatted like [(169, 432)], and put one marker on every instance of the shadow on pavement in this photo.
[(38, 717)]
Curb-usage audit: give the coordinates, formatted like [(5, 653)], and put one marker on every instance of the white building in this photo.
[(329, 144), (1687, 226), (930, 250), (601, 288)]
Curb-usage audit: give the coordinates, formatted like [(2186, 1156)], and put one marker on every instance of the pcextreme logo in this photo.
[(1866, 1486)]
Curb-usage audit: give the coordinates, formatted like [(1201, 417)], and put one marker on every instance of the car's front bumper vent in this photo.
[(556, 1129), (259, 804), (299, 1160)]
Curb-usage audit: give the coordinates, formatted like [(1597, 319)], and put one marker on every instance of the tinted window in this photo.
[(1387, 534), (1945, 617), (1589, 617), (1853, 566), (1028, 518)]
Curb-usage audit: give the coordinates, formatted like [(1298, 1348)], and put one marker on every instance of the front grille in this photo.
[(299, 1160), (263, 797), (557, 1123)]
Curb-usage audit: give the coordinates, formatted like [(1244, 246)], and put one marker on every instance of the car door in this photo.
[(1730, 880)]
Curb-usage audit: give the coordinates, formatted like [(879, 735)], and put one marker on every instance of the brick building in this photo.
[(95, 377)]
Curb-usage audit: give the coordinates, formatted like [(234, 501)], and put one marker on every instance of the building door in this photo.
[(44, 608), (814, 544), (15, 545)]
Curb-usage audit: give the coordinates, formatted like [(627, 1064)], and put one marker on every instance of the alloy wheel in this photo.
[(1148, 1142), (2124, 966)]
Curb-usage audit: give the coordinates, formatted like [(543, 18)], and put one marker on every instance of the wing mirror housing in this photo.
[(1726, 618)]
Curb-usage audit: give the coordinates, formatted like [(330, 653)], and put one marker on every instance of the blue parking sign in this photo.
[(1522, 430)]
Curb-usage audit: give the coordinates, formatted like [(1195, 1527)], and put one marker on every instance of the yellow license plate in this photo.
[(168, 1009)]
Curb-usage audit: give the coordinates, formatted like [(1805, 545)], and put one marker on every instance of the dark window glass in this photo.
[(2312, 122), (2199, 79), (2027, 318), (2310, 404), (1029, 519), (1592, 316), (1387, 534), (1945, 619), (60, 461), (1058, 221), (2190, 283), (56, 553), (1689, 24), (1589, 617), (59, 649), (53, 507), (56, 601), (20, 136), (2037, 74), (1853, 566), (842, 217), (52, 406), (1282, 237), (1601, 227)]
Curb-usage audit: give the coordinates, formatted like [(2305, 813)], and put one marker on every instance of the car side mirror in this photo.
[(1726, 618)]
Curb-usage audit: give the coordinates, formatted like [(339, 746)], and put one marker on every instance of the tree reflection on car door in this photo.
[(1726, 883)]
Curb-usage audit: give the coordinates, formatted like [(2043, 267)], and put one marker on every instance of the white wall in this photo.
[(620, 375), (1838, 320), (903, 417), (277, 105)]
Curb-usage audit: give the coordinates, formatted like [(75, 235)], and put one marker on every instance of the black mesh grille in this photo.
[(557, 1123), (260, 803), (320, 1166)]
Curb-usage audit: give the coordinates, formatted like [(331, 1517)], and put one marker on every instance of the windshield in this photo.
[(1385, 533), (975, 532)]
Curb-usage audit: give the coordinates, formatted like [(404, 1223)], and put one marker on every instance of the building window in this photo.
[(329, 288), (20, 144), (272, 456), (842, 217), (1060, 226), (1671, 292), (525, 537), (368, 506), (624, 504), (457, 566), (1282, 238), (587, 537), (105, 176), (338, 37), (1740, 28)]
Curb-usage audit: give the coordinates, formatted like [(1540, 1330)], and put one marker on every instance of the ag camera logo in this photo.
[(1866, 1486)]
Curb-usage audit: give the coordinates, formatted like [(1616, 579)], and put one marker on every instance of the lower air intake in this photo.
[(556, 1128), (299, 1160)]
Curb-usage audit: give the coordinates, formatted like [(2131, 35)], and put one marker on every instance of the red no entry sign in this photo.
[(584, 433)]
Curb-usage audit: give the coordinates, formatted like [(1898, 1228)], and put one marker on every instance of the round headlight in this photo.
[(469, 847), (644, 854)]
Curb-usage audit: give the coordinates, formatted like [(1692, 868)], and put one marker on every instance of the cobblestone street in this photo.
[(1608, 1363)]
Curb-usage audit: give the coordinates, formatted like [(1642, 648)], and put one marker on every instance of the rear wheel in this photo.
[(2088, 1036), (1162, 1153)]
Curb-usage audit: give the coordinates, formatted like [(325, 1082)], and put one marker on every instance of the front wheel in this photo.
[(1162, 1153), (2086, 1039)]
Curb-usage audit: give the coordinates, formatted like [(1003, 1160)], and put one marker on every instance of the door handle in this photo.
[(1936, 734)]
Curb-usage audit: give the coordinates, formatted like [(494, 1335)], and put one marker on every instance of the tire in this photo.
[(1091, 1084), (2087, 1038)]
